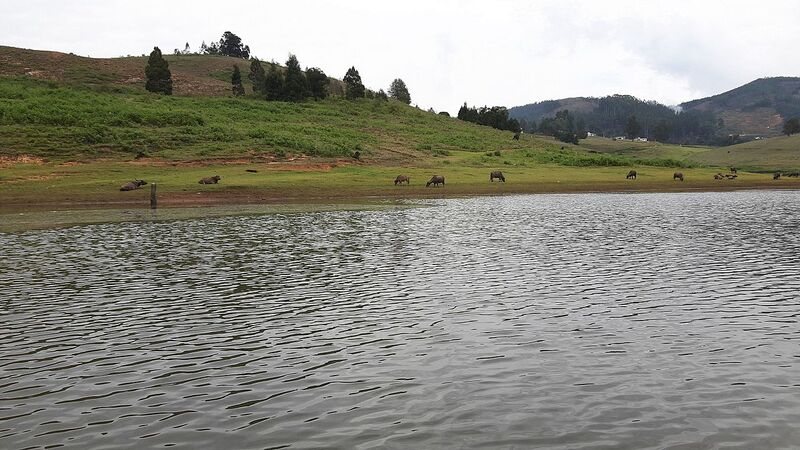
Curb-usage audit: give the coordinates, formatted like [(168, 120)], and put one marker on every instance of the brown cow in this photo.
[(777, 176), (497, 174), (435, 180), (402, 179), (210, 180), (132, 185), (677, 176), (631, 174)]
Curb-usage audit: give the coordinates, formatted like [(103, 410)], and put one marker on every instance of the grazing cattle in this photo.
[(731, 176), (251, 170), (631, 174), (516, 136), (677, 176), (497, 174), (719, 176), (733, 170), (357, 155), (402, 179), (132, 185), (210, 180), (777, 176), (435, 180)]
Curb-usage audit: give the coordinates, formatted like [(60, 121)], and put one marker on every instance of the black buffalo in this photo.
[(497, 174), (677, 176), (132, 185), (631, 175), (210, 180)]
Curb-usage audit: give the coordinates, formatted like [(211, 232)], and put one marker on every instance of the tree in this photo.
[(791, 126), (317, 83), (399, 91), (580, 128), (295, 83), (662, 131), (632, 128), (352, 81), (273, 84), (381, 95), (212, 49), (231, 45), (203, 48), (159, 78), (187, 50), (257, 75), (236, 82)]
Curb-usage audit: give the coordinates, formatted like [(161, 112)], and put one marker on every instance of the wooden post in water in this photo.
[(153, 196)]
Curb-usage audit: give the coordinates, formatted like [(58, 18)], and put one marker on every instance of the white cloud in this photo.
[(448, 52)]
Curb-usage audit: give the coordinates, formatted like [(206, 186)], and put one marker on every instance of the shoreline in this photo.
[(241, 197), (20, 217)]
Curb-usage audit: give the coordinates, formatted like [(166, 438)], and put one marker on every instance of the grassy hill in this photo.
[(50, 121), (643, 150), (780, 153), (774, 154), (197, 75)]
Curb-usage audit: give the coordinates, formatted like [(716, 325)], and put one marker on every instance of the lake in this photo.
[(560, 321)]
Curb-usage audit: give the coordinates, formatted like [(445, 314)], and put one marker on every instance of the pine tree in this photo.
[(381, 95), (399, 91), (159, 78), (187, 50), (236, 82), (352, 80), (273, 84), (295, 85), (317, 83), (257, 76)]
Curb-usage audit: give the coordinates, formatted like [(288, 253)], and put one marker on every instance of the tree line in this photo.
[(625, 115), (495, 117), (290, 84)]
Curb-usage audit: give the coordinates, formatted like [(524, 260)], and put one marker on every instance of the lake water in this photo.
[(558, 321)]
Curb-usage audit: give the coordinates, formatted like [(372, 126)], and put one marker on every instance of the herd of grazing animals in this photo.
[(438, 180)]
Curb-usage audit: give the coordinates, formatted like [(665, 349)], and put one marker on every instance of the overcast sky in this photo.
[(482, 52)]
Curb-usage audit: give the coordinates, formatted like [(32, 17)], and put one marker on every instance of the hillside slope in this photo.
[(198, 75), (44, 120), (759, 107)]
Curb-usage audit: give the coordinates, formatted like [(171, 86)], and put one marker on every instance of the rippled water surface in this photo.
[(560, 321)]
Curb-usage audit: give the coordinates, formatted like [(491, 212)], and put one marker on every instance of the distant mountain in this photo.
[(758, 108)]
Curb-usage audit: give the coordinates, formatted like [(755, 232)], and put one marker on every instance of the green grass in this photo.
[(55, 122), (778, 154)]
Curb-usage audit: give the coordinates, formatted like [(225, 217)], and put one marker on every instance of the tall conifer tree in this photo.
[(159, 78)]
